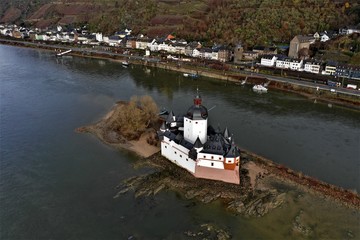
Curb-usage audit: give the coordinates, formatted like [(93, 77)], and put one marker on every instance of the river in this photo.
[(57, 184)]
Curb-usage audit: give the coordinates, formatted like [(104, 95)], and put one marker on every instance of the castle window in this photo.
[(165, 146), (175, 152), (196, 122), (187, 159), (204, 156), (212, 157), (219, 158), (212, 164)]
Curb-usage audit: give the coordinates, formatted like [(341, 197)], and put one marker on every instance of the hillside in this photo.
[(231, 21)]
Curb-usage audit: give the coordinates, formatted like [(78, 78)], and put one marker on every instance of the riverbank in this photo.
[(312, 93), (257, 194)]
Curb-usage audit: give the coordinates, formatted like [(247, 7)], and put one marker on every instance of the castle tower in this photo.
[(195, 122)]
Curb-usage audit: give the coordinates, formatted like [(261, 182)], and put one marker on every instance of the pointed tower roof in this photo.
[(233, 151), (170, 117), (226, 133), (198, 143), (179, 137), (163, 127)]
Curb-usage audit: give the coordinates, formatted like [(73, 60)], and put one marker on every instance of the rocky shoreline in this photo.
[(257, 194)]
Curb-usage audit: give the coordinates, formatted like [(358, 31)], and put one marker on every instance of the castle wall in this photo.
[(177, 154), (230, 176), (210, 163)]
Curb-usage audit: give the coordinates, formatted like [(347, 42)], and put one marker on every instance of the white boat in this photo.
[(259, 88), (125, 63), (185, 74)]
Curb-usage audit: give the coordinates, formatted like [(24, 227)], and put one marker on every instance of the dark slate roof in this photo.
[(215, 145), (233, 151), (178, 138), (313, 62), (170, 135), (332, 63), (296, 60), (303, 38), (197, 112), (268, 56), (198, 143)]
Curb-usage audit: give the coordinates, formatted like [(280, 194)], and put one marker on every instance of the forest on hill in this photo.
[(251, 22)]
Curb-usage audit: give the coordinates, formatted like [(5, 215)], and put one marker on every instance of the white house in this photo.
[(330, 69), (206, 53), (316, 36), (153, 46), (296, 64), (349, 30), (215, 55), (114, 40), (163, 46), (180, 47), (283, 62), (268, 60), (196, 53), (312, 67), (99, 37), (142, 43), (324, 37)]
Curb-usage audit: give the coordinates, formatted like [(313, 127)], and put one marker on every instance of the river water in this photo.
[(57, 184)]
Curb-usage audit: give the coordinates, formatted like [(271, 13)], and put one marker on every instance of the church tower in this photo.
[(195, 122)]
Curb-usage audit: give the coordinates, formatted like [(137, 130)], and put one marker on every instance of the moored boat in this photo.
[(259, 88)]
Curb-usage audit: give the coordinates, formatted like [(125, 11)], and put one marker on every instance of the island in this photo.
[(264, 185)]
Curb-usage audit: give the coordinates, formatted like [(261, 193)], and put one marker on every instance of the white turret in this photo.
[(195, 122)]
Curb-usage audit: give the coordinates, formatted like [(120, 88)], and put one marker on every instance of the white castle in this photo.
[(189, 142)]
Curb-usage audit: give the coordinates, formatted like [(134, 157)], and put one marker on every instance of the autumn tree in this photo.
[(134, 117)]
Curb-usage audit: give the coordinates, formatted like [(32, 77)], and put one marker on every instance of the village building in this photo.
[(224, 54), (238, 53), (268, 60), (250, 55), (330, 68), (263, 50), (312, 67), (350, 30), (347, 71), (299, 42), (283, 62), (296, 64)]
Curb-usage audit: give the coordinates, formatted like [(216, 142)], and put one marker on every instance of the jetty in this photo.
[(63, 53)]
